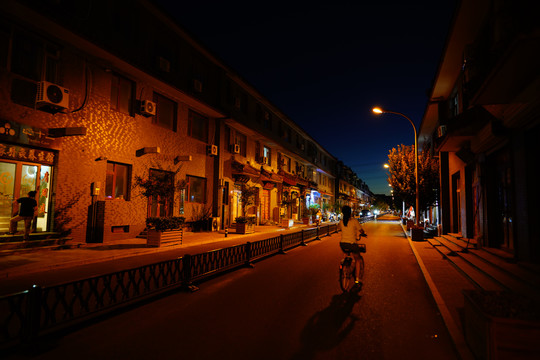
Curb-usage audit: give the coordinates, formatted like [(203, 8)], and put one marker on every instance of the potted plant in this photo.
[(245, 224), (310, 214), (501, 324), (164, 230), (417, 233)]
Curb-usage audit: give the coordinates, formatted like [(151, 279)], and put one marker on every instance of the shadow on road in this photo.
[(328, 327)]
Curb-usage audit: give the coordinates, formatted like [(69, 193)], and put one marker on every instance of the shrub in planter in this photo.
[(165, 223), (164, 229), (244, 224)]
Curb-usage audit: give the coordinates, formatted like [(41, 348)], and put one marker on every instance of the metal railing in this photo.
[(26, 315)]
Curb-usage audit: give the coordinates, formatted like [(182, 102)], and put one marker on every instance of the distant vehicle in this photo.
[(365, 213)]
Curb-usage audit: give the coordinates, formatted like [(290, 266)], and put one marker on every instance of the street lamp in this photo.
[(378, 111)]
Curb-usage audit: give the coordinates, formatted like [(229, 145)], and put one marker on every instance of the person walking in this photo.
[(27, 210), (351, 230)]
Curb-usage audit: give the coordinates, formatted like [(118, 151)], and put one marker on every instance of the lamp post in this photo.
[(379, 111)]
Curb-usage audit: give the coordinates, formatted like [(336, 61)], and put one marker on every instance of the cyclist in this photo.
[(351, 231)]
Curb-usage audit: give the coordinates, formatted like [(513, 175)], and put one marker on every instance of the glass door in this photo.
[(16, 180), (7, 189)]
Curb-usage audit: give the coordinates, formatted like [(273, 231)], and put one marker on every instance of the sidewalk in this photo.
[(446, 285), (23, 263)]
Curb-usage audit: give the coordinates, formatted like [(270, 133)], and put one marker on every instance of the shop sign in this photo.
[(24, 134), (21, 153)]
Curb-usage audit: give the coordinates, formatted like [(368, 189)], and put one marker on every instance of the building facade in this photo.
[(483, 122)]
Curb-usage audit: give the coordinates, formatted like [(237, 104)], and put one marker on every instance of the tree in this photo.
[(402, 177)]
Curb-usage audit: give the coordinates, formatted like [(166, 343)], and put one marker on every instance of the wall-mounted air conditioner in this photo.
[(235, 149), (51, 97), (212, 150), (148, 108)]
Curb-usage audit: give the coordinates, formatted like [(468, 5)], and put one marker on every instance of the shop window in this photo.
[(117, 181), (197, 126), (166, 110), (196, 189), (122, 94)]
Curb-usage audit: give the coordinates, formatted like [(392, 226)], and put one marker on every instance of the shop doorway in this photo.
[(265, 205), (16, 180), (236, 203)]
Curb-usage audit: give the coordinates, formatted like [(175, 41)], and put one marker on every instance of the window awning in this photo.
[(244, 169), (270, 177)]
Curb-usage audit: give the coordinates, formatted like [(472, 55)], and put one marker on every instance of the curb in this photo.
[(457, 335)]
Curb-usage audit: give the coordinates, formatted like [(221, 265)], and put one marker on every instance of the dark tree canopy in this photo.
[(402, 177)]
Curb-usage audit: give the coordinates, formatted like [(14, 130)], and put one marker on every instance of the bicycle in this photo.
[(347, 266)]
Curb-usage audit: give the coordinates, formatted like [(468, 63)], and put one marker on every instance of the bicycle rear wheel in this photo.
[(346, 277)]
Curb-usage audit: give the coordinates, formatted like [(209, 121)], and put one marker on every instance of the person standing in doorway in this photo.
[(27, 211)]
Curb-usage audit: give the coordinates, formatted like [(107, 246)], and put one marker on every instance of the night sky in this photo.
[(326, 64)]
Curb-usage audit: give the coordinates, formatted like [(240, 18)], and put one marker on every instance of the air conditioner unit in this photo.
[(51, 97), (441, 131), (235, 148), (212, 150), (148, 108)]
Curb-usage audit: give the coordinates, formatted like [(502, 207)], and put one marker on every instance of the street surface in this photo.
[(286, 307)]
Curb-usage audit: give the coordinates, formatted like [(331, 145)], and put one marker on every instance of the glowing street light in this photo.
[(378, 111)]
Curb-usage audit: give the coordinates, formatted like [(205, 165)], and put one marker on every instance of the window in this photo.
[(236, 138), (4, 45), (122, 96), (241, 140), (197, 126), (117, 182), (34, 59), (166, 110), (454, 105), (196, 189), (267, 121), (286, 161), (267, 153)]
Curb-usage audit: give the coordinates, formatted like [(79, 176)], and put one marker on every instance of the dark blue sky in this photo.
[(326, 64)]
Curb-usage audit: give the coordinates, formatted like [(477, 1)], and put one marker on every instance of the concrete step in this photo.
[(478, 278), (506, 275)]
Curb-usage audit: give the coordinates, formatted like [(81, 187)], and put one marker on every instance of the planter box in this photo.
[(287, 223), (410, 224), (244, 228), (169, 237), (491, 337), (417, 234)]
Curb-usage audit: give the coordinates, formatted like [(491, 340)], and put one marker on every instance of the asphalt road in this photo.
[(287, 307)]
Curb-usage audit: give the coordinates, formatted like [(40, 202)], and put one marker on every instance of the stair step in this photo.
[(507, 275), (519, 272), (461, 241), (476, 277)]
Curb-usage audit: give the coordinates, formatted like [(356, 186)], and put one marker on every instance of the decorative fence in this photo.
[(42, 310)]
